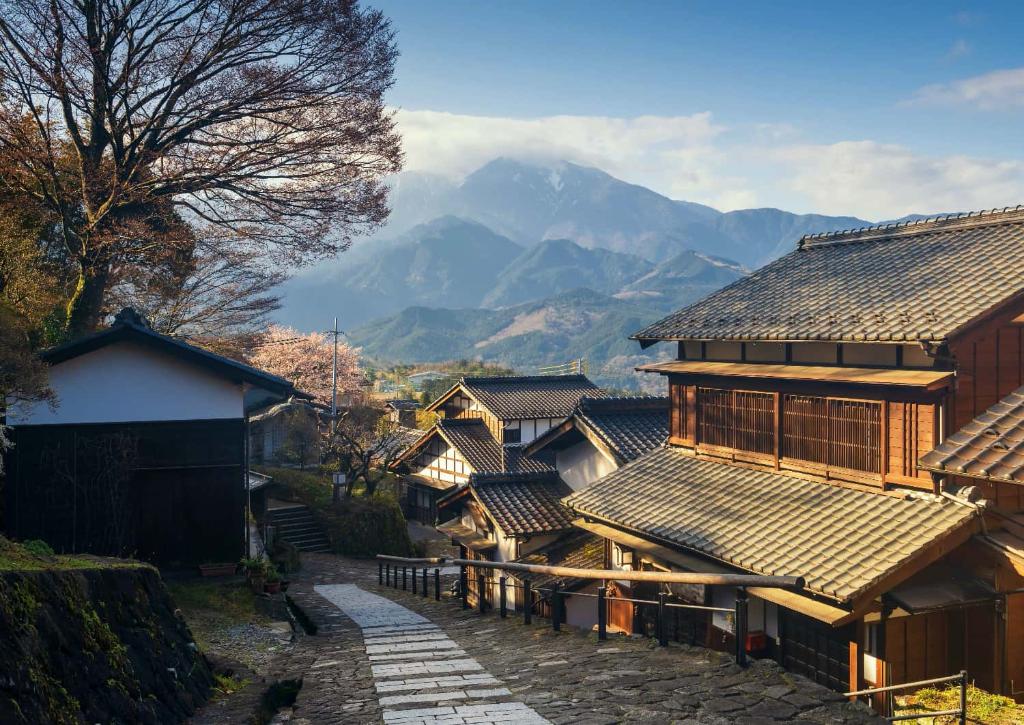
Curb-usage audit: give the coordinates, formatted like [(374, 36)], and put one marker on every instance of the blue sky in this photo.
[(873, 109)]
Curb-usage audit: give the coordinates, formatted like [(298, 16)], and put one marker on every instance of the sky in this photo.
[(869, 109)]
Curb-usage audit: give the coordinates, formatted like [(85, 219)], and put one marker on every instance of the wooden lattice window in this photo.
[(833, 431), (737, 419)]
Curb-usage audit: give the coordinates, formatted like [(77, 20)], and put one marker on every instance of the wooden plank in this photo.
[(1014, 642)]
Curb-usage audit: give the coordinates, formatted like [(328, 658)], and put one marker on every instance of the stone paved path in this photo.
[(416, 666), (367, 651)]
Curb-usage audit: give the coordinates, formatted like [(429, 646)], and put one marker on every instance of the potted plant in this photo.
[(273, 579), (220, 568), (256, 572)]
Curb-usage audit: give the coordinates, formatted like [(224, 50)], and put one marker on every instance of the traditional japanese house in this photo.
[(483, 423), (601, 435), (802, 398), (145, 453), (402, 412)]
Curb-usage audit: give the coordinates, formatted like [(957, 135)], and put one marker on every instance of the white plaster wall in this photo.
[(582, 464), (761, 615), (582, 611), (458, 474), (126, 382)]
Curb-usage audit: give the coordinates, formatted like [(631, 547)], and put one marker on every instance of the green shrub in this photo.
[(358, 526), (38, 547)]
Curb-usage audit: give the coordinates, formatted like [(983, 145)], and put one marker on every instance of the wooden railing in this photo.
[(960, 712), (388, 575)]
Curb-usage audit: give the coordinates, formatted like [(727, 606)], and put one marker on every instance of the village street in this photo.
[(385, 655)]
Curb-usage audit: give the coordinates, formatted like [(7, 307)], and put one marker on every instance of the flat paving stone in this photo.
[(557, 677)]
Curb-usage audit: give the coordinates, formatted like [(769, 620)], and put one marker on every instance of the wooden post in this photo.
[(437, 584), (741, 626), (662, 625), (556, 609), (963, 697), (413, 579), (602, 614), (380, 572), (405, 572), (527, 602), (425, 583), (502, 597), (481, 585), (387, 575), (464, 586)]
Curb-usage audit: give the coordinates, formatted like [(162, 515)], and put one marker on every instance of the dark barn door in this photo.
[(816, 650), (168, 492)]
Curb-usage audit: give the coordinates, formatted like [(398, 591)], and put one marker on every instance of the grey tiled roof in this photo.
[(629, 426), (989, 447), (840, 540), (536, 396), (403, 404), (530, 506), (578, 550), (908, 282), (474, 442)]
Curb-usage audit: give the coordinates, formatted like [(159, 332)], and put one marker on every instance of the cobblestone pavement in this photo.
[(370, 657)]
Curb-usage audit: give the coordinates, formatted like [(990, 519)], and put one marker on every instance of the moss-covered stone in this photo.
[(95, 641)]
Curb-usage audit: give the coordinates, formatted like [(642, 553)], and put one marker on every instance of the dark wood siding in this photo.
[(815, 650), (170, 492)]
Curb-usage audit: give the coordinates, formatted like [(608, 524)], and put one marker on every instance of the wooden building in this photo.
[(483, 424), (402, 412), (145, 452), (601, 435), (802, 399)]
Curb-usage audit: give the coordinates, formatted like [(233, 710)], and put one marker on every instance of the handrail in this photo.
[(407, 560), (665, 577), (960, 712), (903, 686)]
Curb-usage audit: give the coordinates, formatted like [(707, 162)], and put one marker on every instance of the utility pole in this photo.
[(334, 376)]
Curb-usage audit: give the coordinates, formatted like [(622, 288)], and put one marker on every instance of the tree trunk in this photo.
[(85, 308)]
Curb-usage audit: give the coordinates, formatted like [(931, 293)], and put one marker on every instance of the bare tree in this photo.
[(258, 121), (363, 442), (219, 293)]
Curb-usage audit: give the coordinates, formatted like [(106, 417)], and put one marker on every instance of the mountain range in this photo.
[(532, 264)]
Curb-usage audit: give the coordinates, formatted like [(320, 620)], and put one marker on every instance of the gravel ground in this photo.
[(254, 645)]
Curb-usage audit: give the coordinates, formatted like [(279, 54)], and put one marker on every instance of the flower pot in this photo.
[(217, 569), (272, 587)]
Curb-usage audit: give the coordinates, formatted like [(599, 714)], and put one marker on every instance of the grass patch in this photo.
[(210, 606), (982, 706), (225, 685), (36, 555)]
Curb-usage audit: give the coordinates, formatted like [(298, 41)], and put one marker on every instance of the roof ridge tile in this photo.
[(878, 232)]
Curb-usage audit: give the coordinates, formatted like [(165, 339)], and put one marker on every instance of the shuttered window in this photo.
[(833, 431), (737, 419)]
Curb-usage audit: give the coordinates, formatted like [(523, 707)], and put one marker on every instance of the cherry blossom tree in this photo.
[(306, 359)]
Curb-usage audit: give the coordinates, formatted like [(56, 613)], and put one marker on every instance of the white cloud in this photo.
[(675, 155), (697, 159), (880, 181), (995, 91)]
